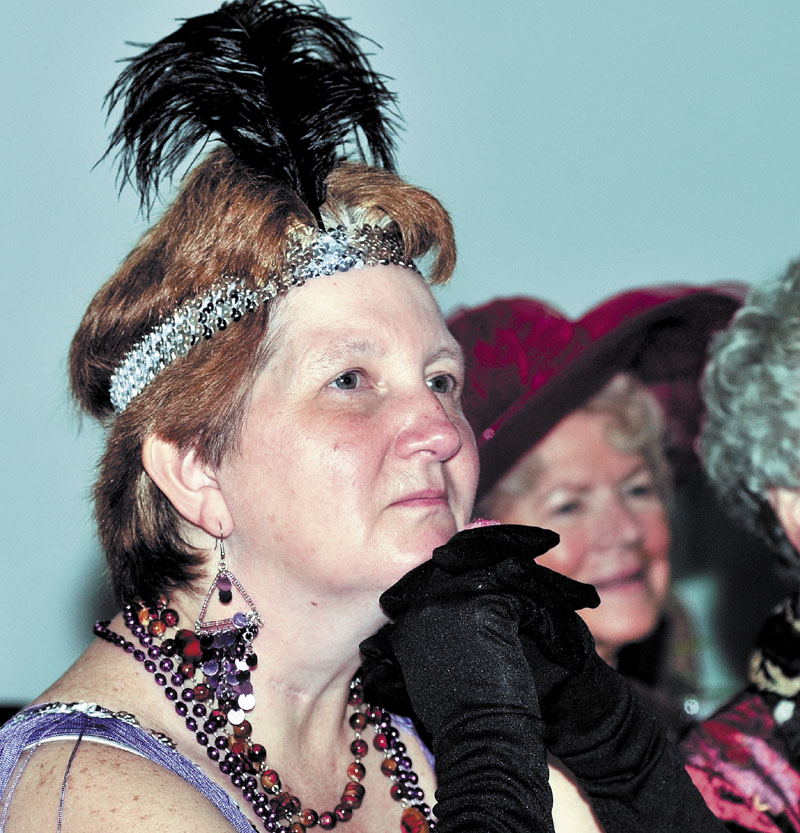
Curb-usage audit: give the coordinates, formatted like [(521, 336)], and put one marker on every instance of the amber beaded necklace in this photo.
[(178, 657)]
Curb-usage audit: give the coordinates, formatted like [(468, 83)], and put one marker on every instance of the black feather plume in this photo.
[(284, 86)]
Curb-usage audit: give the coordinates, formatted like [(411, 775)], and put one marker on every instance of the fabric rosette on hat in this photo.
[(528, 365)]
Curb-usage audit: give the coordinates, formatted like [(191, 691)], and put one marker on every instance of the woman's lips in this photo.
[(619, 582), (423, 498)]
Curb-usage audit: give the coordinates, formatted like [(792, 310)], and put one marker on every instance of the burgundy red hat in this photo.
[(528, 365)]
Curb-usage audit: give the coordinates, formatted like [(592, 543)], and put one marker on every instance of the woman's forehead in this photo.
[(359, 312)]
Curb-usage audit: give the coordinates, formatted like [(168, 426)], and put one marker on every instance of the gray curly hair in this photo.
[(750, 441)]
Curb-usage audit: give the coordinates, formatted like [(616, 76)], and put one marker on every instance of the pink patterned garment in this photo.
[(739, 761)]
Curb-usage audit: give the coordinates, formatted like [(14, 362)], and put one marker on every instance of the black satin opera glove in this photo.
[(453, 659), (616, 748), (593, 722)]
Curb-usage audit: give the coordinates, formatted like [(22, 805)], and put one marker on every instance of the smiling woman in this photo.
[(609, 511), (577, 425)]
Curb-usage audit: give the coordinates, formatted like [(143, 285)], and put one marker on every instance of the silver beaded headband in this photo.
[(336, 250)]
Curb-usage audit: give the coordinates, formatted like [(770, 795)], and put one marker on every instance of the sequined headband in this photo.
[(332, 251)]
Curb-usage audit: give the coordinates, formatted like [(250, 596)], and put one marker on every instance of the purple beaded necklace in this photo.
[(203, 701)]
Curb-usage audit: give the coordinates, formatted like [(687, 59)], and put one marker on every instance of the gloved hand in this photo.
[(453, 654), (632, 774), (614, 745)]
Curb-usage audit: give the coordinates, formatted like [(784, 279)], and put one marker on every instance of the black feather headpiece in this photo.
[(284, 86)]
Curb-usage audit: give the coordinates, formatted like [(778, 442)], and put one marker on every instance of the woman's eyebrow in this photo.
[(573, 487), (344, 351), (641, 468), (449, 351)]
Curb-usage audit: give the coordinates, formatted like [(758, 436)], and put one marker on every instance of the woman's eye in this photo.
[(644, 490), (443, 383), (570, 507), (347, 381)]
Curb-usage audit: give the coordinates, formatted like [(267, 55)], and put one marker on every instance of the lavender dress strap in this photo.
[(38, 724), (51, 721)]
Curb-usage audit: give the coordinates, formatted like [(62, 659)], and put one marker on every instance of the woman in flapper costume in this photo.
[(285, 442)]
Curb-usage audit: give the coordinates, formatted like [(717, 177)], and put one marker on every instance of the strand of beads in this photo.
[(229, 744), (396, 764)]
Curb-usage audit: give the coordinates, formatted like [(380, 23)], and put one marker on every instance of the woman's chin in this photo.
[(619, 625), (435, 532), (407, 558)]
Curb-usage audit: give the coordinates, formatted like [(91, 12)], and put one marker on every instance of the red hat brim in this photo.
[(528, 366)]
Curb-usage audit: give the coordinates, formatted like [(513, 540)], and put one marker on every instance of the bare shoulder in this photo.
[(106, 789)]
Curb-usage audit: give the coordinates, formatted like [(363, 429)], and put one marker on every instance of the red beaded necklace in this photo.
[(183, 655)]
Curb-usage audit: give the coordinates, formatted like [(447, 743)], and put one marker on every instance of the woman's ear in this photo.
[(785, 502), (189, 483)]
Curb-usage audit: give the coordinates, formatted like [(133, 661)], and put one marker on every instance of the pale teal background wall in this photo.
[(582, 147)]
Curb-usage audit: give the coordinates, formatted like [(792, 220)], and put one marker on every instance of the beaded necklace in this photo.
[(225, 734)]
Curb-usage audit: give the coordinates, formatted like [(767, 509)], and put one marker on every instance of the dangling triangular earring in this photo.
[(223, 583), (230, 657)]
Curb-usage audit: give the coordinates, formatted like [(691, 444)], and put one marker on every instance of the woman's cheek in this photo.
[(469, 461), (658, 579), (565, 558), (657, 546)]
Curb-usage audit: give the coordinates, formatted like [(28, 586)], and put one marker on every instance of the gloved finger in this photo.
[(544, 585), (468, 550), (485, 546), (381, 675), (397, 598), (526, 580), (463, 588), (427, 584), (560, 635), (530, 583), (378, 645)]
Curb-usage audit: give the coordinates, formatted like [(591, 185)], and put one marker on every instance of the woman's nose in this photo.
[(428, 428), (620, 524)]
